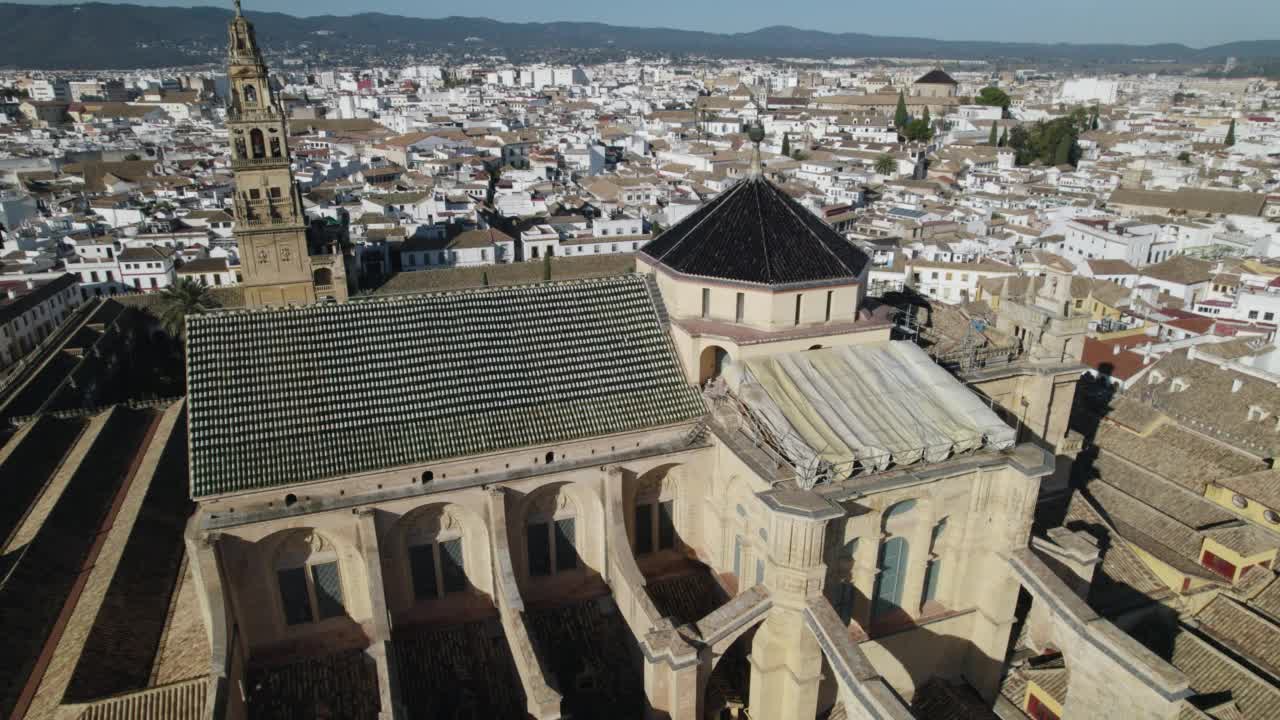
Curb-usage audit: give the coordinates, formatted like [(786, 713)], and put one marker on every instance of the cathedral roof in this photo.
[(936, 76), (754, 232), (290, 395)]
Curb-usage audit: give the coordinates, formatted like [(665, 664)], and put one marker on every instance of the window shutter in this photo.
[(293, 595), (328, 590), (888, 591), (454, 570), (566, 545), (422, 565)]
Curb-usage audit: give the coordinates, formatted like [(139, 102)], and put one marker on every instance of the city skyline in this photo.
[(1142, 22)]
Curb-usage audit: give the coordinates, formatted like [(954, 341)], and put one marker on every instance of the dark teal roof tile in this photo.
[(290, 395)]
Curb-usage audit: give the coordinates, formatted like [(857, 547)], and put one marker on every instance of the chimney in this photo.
[(1236, 385)]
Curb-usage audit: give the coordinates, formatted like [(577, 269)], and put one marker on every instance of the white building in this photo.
[(27, 319), (147, 269), (1094, 90)]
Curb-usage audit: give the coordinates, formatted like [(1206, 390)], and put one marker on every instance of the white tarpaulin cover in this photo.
[(880, 404)]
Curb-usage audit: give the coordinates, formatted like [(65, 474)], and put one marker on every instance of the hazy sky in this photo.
[(1192, 22)]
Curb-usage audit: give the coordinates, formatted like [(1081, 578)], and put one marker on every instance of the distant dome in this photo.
[(936, 77), (754, 232)]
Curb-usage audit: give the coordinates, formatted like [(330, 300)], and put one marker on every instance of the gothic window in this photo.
[(250, 96), (437, 568), (308, 579), (436, 563), (655, 526), (257, 142), (551, 537)]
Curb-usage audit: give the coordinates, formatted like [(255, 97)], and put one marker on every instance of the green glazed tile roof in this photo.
[(283, 396)]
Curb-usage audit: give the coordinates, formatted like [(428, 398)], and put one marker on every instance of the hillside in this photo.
[(98, 35)]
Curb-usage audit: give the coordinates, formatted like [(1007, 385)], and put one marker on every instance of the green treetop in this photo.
[(900, 116), (993, 97), (991, 139), (1062, 156), (1231, 134)]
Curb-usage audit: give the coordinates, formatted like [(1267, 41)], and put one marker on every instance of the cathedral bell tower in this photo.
[(277, 264)]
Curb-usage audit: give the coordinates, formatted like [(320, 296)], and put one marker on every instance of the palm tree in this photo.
[(184, 297), (886, 165)]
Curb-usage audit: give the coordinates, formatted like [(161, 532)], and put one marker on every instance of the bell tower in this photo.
[(276, 261)]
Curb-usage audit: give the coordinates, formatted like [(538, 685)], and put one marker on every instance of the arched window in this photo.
[(934, 567), (436, 564), (257, 143), (713, 362), (308, 578), (655, 528), (551, 538), (892, 571), (322, 277), (250, 96)]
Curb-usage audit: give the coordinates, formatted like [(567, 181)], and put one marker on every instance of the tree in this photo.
[(184, 297), (786, 144), (1184, 157), (1062, 155), (900, 116), (1231, 134), (886, 165), (1093, 125), (925, 116), (133, 157), (1004, 138), (993, 97), (484, 278), (918, 130), (992, 138), (546, 268)]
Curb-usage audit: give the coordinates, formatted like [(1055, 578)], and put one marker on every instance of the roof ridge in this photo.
[(407, 296)]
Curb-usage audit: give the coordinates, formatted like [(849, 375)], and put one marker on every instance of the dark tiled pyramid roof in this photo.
[(936, 77), (290, 395), (754, 232)]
